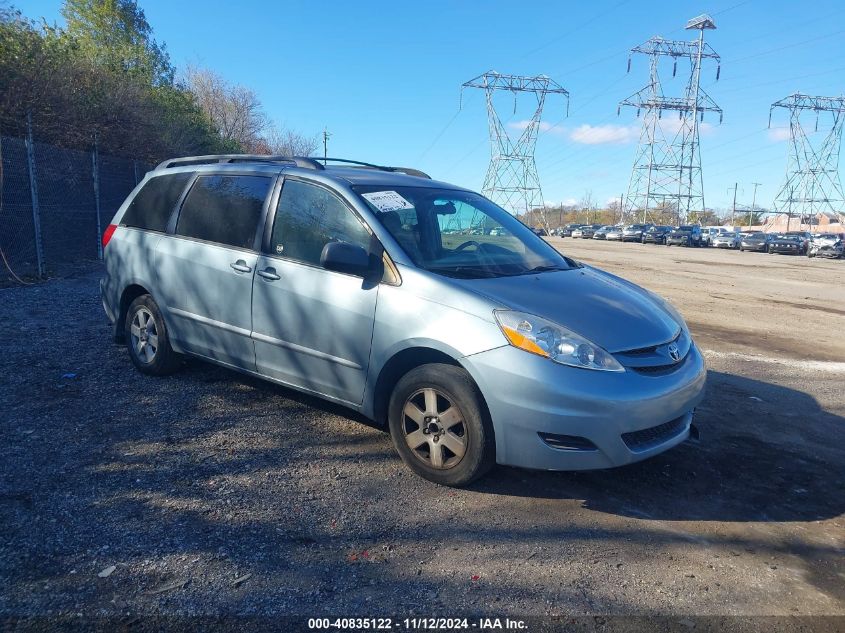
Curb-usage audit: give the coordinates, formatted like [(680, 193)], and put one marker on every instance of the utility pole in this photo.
[(621, 206), (753, 203), (326, 136)]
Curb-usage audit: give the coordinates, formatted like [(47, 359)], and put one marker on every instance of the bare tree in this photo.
[(586, 204), (286, 142), (234, 110)]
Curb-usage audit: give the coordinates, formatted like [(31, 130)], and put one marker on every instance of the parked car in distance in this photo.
[(614, 234), (339, 281), (830, 245), (757, 241), (578, 232), (684, 235), (634, 232), (725, 240), (708, 233), (568, 229), (539, 231), (601, 232), (786, 245), (804, 237), (656, 234), (587, 231)]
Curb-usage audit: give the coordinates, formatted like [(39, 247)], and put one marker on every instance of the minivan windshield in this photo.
[(460, 233)]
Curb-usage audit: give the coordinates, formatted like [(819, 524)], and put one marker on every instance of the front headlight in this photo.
[(544, 338)]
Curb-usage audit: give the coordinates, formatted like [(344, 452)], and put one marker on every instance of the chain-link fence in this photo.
[(55, 204)]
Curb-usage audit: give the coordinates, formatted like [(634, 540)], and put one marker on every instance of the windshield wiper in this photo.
[(466, 272), (542, 269)]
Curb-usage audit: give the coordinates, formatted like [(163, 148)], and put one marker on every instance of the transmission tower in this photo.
[(512, 181), (812, 172), (667, 166)]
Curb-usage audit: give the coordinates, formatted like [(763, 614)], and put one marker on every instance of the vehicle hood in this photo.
[(632, 231), (753, 239), (677, 232), (606, 309)]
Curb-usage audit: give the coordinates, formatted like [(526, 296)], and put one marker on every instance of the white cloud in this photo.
[(603, 134), (779, 134)]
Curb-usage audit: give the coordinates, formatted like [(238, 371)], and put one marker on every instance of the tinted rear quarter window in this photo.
[(152, 206), (224, 209)]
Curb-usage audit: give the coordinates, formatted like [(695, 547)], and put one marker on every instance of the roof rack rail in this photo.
[(357, 163), (299, 161)]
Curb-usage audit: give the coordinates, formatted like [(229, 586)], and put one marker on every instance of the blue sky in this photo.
[(385, 78)]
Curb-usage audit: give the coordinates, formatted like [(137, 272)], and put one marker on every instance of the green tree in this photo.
[(115, 34)]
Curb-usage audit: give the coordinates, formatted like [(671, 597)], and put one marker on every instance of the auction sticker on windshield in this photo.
[(386, 201)]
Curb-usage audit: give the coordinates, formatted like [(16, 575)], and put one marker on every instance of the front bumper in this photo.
[(677, 241), (756, 247), (528, 395), (632, 238), (832, 253)]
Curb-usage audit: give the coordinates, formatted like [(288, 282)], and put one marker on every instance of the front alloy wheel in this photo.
[(439, 425), (434, 429)]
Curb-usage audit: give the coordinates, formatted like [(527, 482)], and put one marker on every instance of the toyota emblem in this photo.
[(674, 352)]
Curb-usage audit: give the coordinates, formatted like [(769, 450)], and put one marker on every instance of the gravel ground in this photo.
[(210, 493)]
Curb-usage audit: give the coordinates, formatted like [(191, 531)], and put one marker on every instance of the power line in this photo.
[(785, 47)]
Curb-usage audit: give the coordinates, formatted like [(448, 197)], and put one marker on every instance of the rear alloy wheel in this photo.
[(438, 427), (147, 338)]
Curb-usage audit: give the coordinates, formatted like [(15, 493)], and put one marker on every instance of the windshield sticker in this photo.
[(386, 201)]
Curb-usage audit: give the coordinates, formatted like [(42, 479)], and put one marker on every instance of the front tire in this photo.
[(438, 425), (147, 338)]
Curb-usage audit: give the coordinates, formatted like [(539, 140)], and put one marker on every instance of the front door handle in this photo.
[(241, 266), (269, 274)]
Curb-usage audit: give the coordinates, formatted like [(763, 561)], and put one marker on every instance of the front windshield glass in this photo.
[(460, 233)]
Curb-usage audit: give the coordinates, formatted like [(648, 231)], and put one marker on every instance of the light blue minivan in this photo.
[(419, 304)]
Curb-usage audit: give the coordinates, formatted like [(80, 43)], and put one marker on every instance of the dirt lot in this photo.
[(211, 493)]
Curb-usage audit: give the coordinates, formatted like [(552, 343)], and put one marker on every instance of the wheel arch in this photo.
[(129, 294), (400, 364)]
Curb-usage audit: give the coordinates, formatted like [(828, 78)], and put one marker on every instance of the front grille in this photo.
[(643, 440), (660, 370)]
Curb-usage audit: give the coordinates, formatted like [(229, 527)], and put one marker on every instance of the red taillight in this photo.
[(110, 229)]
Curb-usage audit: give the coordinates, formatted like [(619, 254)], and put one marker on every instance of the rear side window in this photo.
[(308, 218), (224, 209), (151, 208)]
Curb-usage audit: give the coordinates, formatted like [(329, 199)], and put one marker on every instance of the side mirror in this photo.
[(344, 257)]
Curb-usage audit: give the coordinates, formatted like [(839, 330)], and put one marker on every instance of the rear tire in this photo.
[(438, 425), (147, 338)]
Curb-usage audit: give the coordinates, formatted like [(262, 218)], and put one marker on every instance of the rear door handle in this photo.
[(269, 274), (241, 266)]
